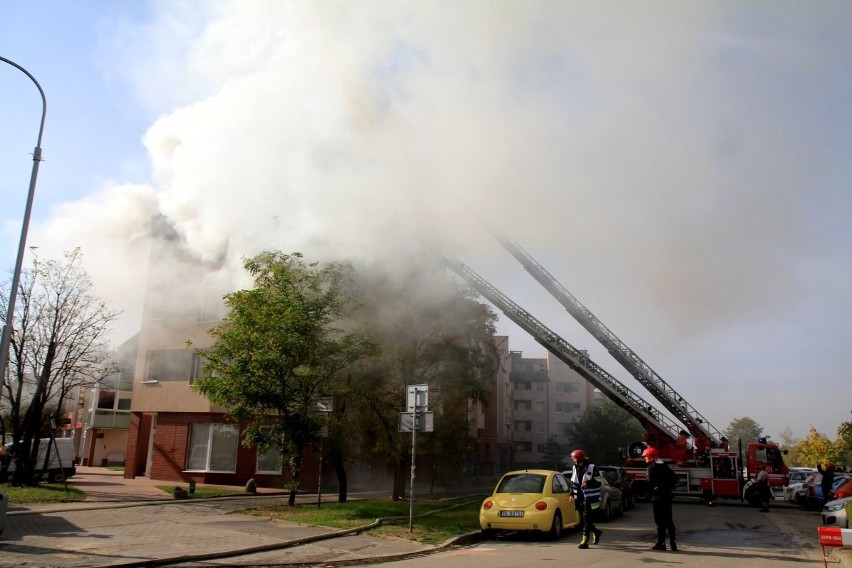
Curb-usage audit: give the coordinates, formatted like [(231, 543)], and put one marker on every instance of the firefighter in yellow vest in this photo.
[(586, 486)]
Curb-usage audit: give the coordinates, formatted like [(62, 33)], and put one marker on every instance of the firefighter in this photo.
[(586, 487), (827, 481), (763, 489), (661, 478)]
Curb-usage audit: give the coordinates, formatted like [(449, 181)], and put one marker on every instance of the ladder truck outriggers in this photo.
[(708, 445), (660, 432)]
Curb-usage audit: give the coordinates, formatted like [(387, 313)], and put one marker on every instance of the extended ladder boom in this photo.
[(660, 430), (704, 434)]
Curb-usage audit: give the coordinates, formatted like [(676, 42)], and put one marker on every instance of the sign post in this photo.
[(417, 404), (325, 405)]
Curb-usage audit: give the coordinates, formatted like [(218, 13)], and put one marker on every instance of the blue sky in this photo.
[(682, 168)]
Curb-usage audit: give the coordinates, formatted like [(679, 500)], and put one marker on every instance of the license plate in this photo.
[(511, 513)]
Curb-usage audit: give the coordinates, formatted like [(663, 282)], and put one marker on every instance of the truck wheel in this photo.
[(642, 491), (57, 477)]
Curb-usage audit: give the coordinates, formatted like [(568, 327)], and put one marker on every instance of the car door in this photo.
[(562, 493)]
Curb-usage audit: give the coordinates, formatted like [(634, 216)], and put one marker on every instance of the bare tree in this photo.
[(59, 345)]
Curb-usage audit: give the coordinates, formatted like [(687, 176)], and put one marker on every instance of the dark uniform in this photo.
[(662, 479)]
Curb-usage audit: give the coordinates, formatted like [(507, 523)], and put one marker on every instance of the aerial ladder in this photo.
[(660, 431), (704, 435)]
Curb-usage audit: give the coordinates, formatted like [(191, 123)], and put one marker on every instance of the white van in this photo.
[(60, 465)]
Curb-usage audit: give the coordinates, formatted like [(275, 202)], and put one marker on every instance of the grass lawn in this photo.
[(42, 493), (57, 493), (434, 521)]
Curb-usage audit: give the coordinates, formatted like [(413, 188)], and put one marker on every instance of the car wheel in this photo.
[(556, 526), (607, 512)]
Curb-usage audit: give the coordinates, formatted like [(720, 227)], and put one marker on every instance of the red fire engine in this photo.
[(709, 469)]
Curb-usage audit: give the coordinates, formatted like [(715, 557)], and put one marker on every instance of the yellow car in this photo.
[(529, 500)]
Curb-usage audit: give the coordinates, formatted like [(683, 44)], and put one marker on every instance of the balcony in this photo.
[(111, 419)]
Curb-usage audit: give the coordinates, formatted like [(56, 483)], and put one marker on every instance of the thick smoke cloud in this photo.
[(667, 159)]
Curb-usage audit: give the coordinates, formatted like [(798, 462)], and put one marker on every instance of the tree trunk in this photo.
[(340, 470), (295, 472)]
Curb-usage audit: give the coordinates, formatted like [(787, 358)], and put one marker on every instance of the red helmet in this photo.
[(578, 455), (651, 454)]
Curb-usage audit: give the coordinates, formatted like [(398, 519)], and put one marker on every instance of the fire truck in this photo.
[(709, 470)]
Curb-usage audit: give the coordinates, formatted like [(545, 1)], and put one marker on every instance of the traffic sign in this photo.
[(418, 396), (425, 421)]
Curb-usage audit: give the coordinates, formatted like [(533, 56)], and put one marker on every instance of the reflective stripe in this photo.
[(590, 494)]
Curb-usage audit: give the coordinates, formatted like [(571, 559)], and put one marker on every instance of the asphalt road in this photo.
[(203, 532), (725, 536)]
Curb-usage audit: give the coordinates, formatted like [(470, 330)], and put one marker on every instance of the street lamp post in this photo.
[(16, 275)]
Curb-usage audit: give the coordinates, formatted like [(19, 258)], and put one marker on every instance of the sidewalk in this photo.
[(129, 522), (101, 484)]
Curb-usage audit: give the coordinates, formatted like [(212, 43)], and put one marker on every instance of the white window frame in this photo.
[(193, 446)]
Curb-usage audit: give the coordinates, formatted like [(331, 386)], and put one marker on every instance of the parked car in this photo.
[(843, 490), (611, 504), (798, 476), (834, 513), (618, 478), (800, 494), (814, 498), (530, 500)]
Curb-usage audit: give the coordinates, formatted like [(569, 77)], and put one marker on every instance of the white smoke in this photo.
[(662, 156)]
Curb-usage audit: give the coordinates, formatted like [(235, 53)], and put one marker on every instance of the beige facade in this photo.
[(547, 396)]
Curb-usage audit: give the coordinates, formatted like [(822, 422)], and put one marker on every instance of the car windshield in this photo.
[(522, 483)]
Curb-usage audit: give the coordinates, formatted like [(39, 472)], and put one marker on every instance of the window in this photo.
[(106, 400), (539, 407), (269, 461), (560, 484), (523, 425), (123, 401), (539, 427), (524, 446), (567, 407), (523, 386), (539, 387), (110, 400), (169, 365), (213, 447), (197, 367), (523, 405), (568, 388), (120, 381)]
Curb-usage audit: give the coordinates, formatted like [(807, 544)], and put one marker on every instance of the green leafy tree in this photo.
[(604, 431), (844, 440), (276, 351), (817, 448), (743, 429), (59, 345)]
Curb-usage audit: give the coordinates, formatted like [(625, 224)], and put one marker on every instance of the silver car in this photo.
[(611, 505)]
